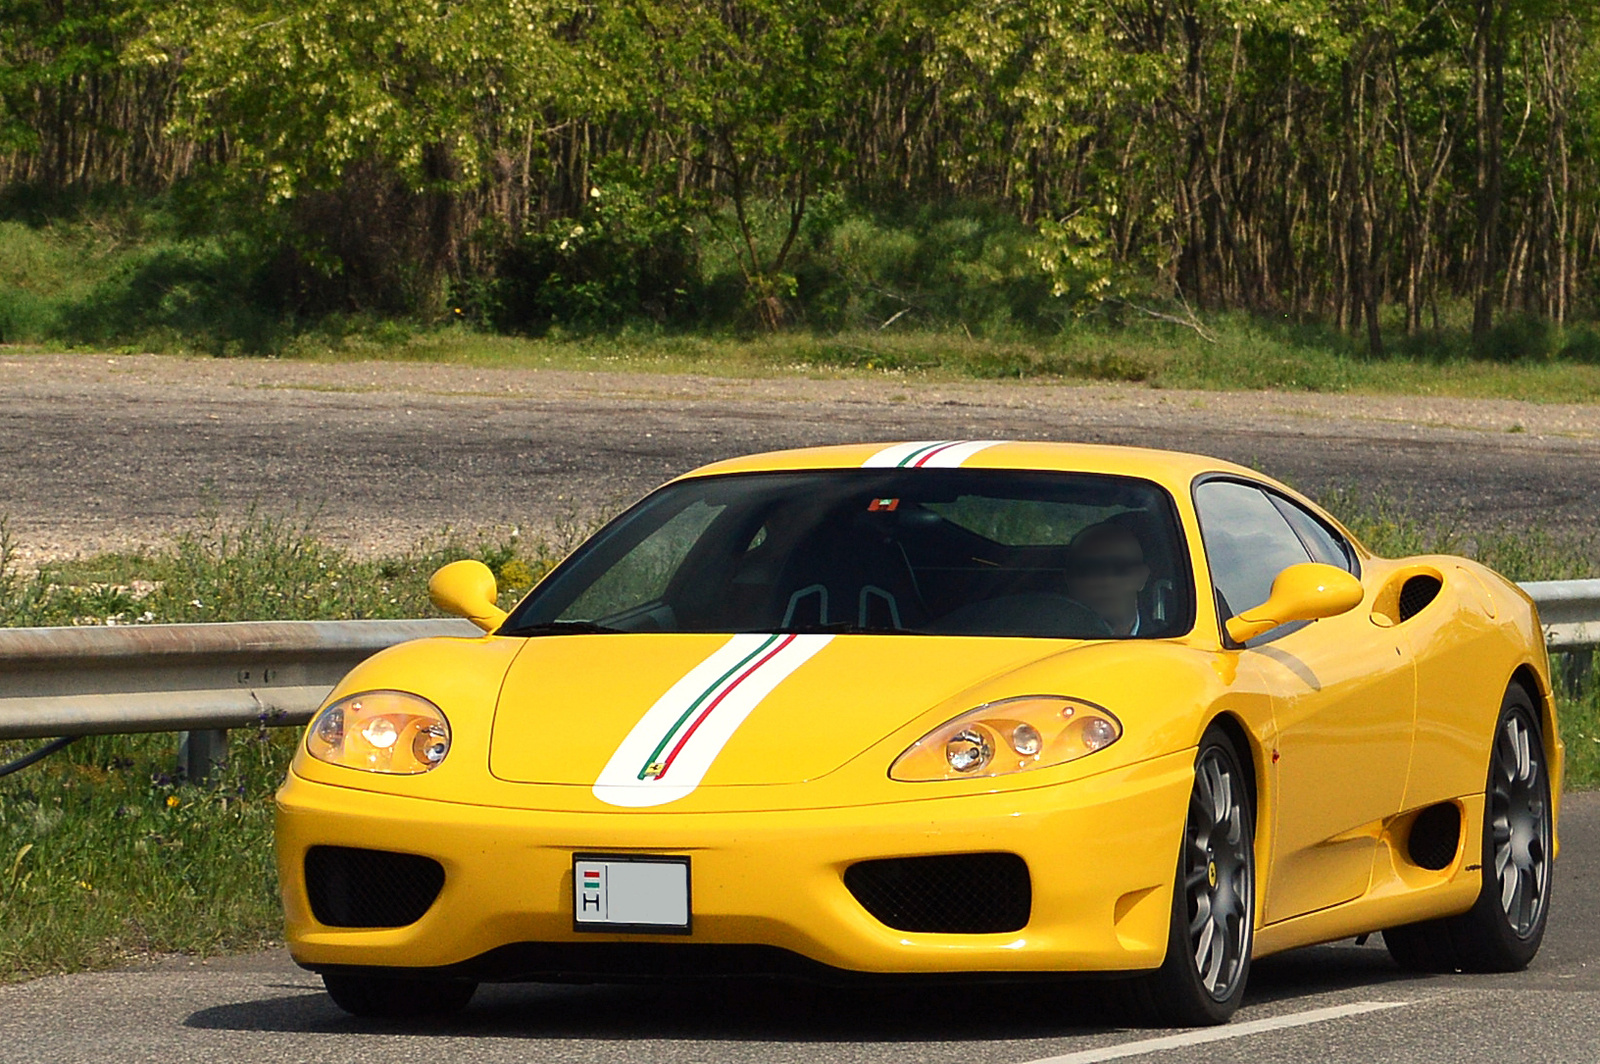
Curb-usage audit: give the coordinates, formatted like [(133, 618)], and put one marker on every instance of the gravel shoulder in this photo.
[(115, 452)]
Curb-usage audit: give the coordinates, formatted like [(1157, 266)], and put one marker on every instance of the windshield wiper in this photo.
[(563, 628)]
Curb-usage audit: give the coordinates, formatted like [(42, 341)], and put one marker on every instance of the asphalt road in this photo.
[(1330, 1003), (101, 453)]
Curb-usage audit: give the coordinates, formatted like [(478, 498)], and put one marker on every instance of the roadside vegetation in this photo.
[(1395, 196), (132, 280), (106, 855)]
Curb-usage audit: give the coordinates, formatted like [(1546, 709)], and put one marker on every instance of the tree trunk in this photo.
[(1488, 81)]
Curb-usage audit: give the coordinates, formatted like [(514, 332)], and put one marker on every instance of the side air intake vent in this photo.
[(958, 894), (1435, 836), (1415, 595), (349, 887)]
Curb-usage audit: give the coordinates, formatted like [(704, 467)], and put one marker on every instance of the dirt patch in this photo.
[(108, 452)]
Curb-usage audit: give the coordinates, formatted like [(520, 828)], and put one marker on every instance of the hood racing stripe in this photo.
[(689, 733), (650, 762), (697, 716)]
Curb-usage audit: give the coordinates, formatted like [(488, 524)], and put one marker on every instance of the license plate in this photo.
[(642, 894)]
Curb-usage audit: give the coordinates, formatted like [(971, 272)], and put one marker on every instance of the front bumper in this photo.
[(1101, 851)]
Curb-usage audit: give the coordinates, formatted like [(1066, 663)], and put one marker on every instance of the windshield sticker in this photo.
[(672, 747), (877, 505), (928, 454)]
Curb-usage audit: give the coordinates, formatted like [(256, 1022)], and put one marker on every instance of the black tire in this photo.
[(1504, 928), (1201, 982), (398, 998)]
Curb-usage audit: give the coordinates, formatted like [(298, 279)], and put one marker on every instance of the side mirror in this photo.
[(467, 589), (1305, 592)]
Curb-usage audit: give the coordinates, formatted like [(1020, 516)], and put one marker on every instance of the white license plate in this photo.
[(643, 894)]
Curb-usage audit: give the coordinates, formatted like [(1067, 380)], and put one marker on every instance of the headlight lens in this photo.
[(380, 731), (1011, 735)]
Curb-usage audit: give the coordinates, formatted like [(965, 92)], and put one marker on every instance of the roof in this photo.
[(1173, 468)]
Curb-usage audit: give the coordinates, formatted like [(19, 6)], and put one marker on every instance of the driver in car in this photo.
[(1106, 571)]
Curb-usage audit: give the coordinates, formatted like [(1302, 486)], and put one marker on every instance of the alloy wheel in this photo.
[(1519, 822), (1219, 874)]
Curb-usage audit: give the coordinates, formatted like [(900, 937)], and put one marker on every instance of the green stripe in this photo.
[(665, 739), (921, 451)]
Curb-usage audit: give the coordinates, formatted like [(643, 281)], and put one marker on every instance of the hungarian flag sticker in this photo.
[(634, 893), (877, 505)]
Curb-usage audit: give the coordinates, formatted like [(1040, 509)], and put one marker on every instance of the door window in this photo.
[(1325, 545), (1248, 542)]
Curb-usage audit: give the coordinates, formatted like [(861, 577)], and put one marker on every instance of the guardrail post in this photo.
[(200, 752), (1577, 672)]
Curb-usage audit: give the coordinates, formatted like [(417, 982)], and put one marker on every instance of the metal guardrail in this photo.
[(1569, 611), (206, 678), (172, 677), (200, 679)]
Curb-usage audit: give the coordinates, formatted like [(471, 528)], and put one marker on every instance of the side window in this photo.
[(1324, 543), (1248, 542)]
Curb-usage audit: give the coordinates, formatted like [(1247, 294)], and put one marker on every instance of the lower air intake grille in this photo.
[(370, 888), (1435, 837), (961, 894)]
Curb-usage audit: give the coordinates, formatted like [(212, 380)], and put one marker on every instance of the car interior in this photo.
[(909, 555)]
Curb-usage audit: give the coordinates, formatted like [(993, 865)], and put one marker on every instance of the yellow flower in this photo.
[(172, 801), (85, 884)]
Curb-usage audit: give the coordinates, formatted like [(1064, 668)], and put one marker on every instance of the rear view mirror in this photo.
[(467, 589), (1309, 591)]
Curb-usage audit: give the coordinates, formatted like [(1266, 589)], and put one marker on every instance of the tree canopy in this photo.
[(1353, 161)]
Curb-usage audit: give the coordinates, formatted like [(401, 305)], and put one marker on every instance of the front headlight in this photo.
[(1011, 735), (380, 731)]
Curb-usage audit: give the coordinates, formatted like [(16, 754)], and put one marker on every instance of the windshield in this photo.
[(948, 552)]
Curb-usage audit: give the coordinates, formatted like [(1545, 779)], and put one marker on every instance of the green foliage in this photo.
[(1580, 722), (953, 266), (105, 857), (263, 567), (1391, 529), (627, 256), (1000, 166), (327, 85)]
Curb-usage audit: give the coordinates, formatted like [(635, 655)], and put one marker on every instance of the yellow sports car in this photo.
[(950, 708)]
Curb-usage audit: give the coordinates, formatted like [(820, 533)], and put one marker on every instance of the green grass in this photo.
[(1390, 529), (1580, 725), (104, 856), (1244, 356), (264, 567)]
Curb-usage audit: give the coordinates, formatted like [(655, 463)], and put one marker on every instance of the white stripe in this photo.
[(893, 456), (1219, 1034), (952, 457), (954, 453), (619, 782)]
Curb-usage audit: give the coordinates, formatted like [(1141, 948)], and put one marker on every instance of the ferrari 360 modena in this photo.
[(943, 708)]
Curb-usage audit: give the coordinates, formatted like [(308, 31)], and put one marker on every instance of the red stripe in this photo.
[(667, 764), (919, 462)]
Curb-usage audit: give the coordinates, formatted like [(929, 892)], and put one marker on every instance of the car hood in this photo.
[(646, 718)]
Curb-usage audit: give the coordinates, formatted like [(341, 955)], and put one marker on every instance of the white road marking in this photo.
[(1202, 1035)]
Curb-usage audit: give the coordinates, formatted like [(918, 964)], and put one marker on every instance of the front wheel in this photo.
[(398, 998), (1504, 928), (1202, 980)]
